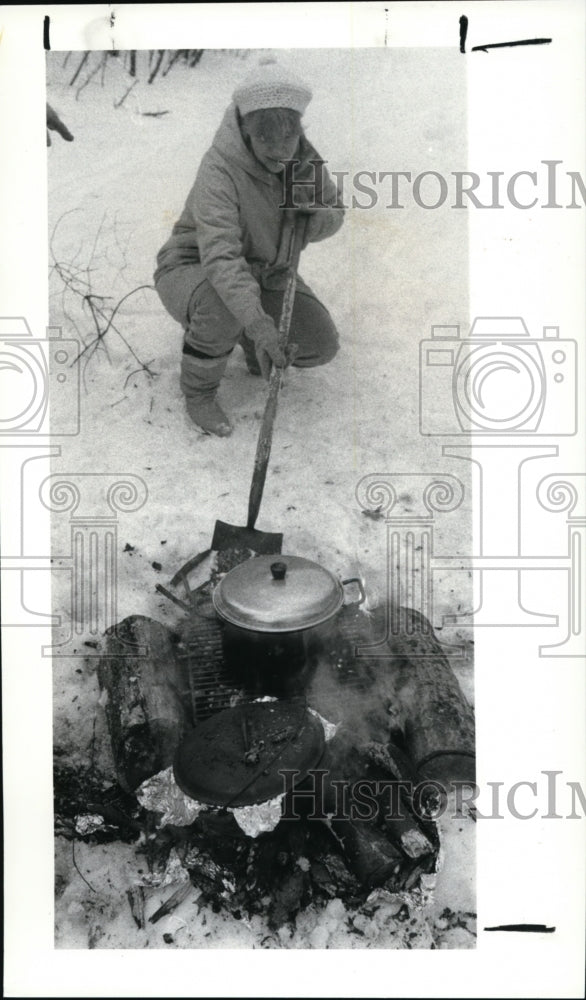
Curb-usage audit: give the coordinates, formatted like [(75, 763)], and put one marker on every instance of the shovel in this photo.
[(232, 536)]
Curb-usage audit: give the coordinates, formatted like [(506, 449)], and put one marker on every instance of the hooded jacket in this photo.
[(230, 226)]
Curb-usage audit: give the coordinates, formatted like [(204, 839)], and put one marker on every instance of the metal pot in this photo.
[(277, 614)]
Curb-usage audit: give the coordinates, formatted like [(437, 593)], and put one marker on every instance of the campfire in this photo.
[(297, 758)]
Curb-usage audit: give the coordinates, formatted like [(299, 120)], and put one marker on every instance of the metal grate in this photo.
[(354, 628), (211, 686)]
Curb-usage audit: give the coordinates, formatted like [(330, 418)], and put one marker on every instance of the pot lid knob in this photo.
[(278, 569), (278, 593)]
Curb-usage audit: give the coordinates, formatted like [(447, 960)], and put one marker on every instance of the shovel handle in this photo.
[(265, 436)]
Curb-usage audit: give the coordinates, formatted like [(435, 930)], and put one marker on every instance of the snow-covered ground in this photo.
[(386, 277)]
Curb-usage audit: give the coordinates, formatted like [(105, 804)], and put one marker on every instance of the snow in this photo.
[(114, 194)]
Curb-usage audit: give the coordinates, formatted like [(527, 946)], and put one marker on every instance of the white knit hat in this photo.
[(271, 86)]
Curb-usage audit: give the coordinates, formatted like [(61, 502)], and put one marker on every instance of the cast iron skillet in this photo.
[(234, 757)]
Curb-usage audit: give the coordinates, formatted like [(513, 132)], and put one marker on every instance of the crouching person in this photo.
[(220, 275)]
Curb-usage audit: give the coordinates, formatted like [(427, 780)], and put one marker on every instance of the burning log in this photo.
[(439, 723), (368, 853), (362, 770), (386, 762), (407, 833), (143, 698), (391, 760)]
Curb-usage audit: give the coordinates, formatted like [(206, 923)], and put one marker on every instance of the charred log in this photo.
[(143, 698), (438, 721)]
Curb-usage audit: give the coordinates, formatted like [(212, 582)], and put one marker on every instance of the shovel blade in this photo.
[(233, 536)]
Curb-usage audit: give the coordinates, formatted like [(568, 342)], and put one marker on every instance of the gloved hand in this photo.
[(265, 336), (56, 125)]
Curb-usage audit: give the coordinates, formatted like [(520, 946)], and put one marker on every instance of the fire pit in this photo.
[(231, 752)]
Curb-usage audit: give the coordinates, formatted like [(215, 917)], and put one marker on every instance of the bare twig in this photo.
[(118, 104), (101, 312), (123, 299), (110, 324), (89, 885), (173, 59), (82, 63), (69, 211), (89, 77), (88, 298), (93, 747), (95, 245), (122, 249), (157, 65), (171, 597), (69, 275), (143, 368)]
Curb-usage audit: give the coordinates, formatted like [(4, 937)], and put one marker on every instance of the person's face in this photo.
[(271, 151)]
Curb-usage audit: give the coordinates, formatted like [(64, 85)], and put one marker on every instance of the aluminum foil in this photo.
[(161, 794)]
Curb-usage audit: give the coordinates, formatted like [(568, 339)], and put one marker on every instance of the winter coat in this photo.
[(231, 223)]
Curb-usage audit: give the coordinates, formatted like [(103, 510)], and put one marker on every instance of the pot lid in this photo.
[(234, 758), (278, 594)]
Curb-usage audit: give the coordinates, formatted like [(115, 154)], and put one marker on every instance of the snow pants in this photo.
[(211, 330)]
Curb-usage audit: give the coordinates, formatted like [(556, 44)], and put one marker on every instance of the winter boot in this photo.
[(250, 357), (200, 378)]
